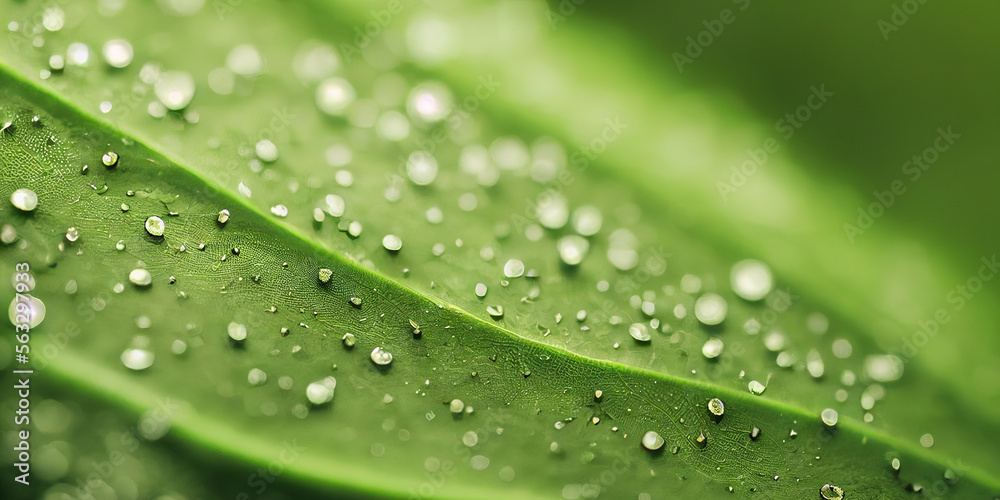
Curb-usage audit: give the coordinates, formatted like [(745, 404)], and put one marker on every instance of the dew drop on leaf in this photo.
[(321, 392), (155, 226), (117, 53), (381, 357), (716, 407), (751, 279), (831, 492), (140, 277), (639, 332), (710, 309), (24, 199), (652, 441)]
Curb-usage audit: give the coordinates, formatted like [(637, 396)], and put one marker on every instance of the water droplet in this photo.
[(155, 226), (456, 406), (57, 62), (598, 394), (266, 151), (587, 220), (110, 159), (178, 347), (553, 211), (710, 309), (479, 462), (652, 441), (756, 388), (429, 102), (842, 348), (349, 340), (35, 311), (223, 216), (120, 245), (237, 331), (622, 251), (507, 474), (24, 199), (495, 311), (470, 438), (355, 301), (175, 89), (712, 348), (573, 249), (895, 465), (78, 54), (581, 315), (639, 332), (775, 340), (244, 190), (257, 377), (117, 53), (137, 359), (333, 95), (392, 243), (321, 392), (927, 440), (754, 433), (53, 18), (245, 60), (829, 417), (72, 234), (831, 492), (8, 234), (513, 268), (716, 407), (480, 290), (140, 277), (751, 279), (354, 229), (814, 363), (335, 205), (421, 168), (701, 440), (884, 367), (785, 359), (381, 357)]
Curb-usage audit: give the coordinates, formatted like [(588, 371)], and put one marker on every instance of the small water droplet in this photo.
[(354, 229), (349, 340), (266, 151), (754, 433), (137, 359), (756, 388), (72, 234), (279, 210), (927, 440), (514, 268), (814, 363), (587, 220), (884, 367), (35, 311), (456, 406), (495, 311), (481, 290), (701, 440)]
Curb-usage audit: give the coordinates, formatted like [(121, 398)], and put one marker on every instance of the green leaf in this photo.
[(531, 370)]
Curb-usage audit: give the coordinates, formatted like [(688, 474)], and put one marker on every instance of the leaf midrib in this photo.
[(129, 395)]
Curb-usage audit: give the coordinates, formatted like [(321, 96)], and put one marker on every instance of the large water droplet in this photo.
[(751, 279), (137, 358), (333, 95), (117, 53), (155, 226), (884, 367), (831, 492), (266, 151), (24, 199), (710, 309), (716, 407), (321, 392), (28, 305), (573, 249), (237, 331), (257, 377), (514, 268), (756, 388), (140, 277), (392, 243), (829, 417), (639, 332), (712, 348), (175, 89), (421, 168), (381, 357), (652, 441)]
